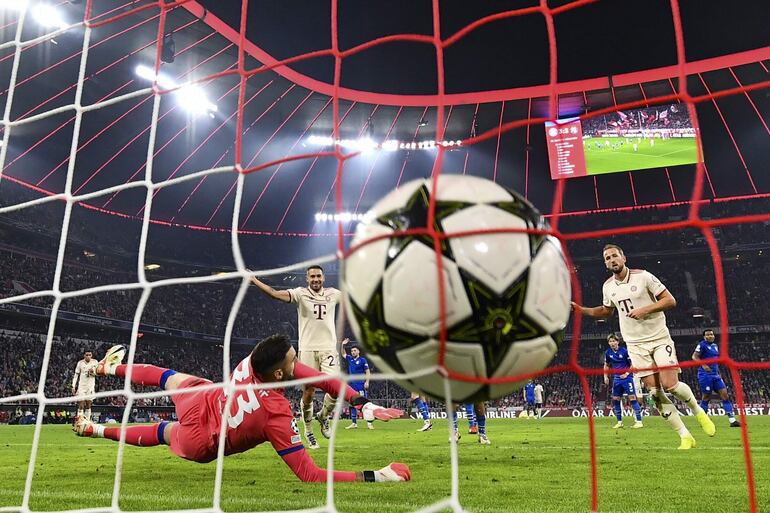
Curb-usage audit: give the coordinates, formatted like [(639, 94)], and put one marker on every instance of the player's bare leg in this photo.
[(669, 379), (323, 415), (306, 405), (668, 411)]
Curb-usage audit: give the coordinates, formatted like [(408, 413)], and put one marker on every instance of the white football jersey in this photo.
[(84, 380), (539, 392), (639, 288), (315, 313)]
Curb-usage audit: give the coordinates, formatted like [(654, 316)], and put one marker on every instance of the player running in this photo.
[(709, 379), (616, 357), (357, 365), (316, 306), (641, 299), (84, 383), (254, 416)]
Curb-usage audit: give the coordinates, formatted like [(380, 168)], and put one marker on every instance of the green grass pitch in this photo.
[(665, 152), (531, 466)]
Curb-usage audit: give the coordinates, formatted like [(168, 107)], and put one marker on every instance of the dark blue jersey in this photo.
[(617, 360), (529, 391), (705, 350), (357, 365)]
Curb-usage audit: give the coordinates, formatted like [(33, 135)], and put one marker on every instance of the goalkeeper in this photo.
[(255, 416)]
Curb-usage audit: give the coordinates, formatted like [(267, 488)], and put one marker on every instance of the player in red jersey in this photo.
[(254, 416)]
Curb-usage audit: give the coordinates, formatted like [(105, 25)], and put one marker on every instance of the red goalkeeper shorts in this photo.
[(190, 438)]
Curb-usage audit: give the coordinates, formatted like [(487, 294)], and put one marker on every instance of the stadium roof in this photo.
[(497, 72)]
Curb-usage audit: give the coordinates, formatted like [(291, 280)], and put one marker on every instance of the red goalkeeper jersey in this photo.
[(256, 416)]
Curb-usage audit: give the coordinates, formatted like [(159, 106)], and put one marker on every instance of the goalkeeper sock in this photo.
[(637, 410), (481, 421), (327, 407), (728, 406), (80, 412), (307, 415), (87, 413), (141, 436), (668, 411), (148, 375), (683, 392), (705, 405), (470, 412), (616, 409)]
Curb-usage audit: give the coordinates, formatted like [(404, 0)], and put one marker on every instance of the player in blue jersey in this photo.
[(709, 379), (357, 364), (529, 399), (616, 357)]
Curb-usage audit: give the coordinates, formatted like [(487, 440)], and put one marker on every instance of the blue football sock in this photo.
[(470, 412), (454, 420), (422, 408), (728, 406), (705, 405), (616, 409), (637, 410), (481, 421), (353, 415)]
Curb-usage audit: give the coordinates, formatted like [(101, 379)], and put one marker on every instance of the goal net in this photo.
[(218, 131)]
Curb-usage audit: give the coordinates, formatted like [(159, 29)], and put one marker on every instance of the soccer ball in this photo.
[(507, 294)]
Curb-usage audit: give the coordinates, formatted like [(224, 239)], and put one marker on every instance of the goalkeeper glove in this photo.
[(393, 472)]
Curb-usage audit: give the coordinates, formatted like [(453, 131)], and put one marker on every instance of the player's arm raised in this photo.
[(593, 311), (281, 295), (344, 351)]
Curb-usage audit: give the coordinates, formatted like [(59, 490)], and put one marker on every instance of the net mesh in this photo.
[(243, 167)]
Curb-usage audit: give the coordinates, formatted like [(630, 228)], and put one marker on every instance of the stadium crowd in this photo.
[(679, 258)]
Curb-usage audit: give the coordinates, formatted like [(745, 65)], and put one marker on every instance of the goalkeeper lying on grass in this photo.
[(255, 416)]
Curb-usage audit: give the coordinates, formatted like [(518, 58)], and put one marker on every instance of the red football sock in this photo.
[(142, 436), (141, 374)]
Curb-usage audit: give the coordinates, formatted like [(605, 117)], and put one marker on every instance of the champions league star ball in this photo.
[(507, 294)]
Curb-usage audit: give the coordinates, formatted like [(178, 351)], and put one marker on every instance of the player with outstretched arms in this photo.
[(640, 299), (254, 416), (84, 383), (316, 306), (357, 365), (709, 379), (616, 357)]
